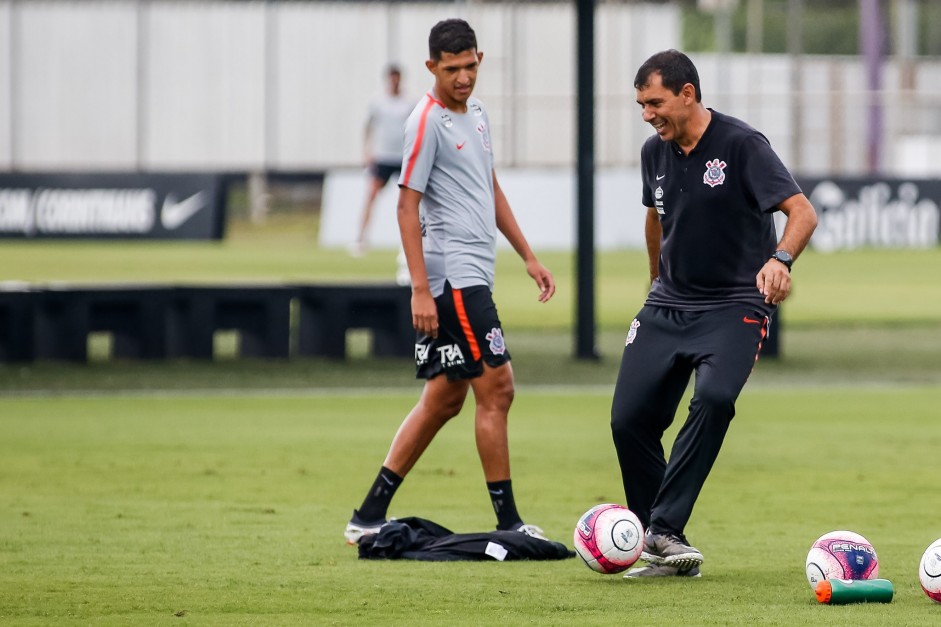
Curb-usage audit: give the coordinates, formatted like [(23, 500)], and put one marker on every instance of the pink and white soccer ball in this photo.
[(609, 538), (841, 555), (929, 571)]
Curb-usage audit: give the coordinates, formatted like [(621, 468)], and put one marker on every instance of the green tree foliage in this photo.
[(829, 26)]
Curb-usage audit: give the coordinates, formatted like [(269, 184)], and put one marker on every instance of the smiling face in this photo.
[(455, 76), (668, 113)]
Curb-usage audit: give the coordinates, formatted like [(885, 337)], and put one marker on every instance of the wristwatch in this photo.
[(784, 257)]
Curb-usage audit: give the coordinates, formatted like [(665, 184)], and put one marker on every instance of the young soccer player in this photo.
[(450, 209)]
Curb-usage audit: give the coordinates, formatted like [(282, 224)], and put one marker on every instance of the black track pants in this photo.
[(663, 349)]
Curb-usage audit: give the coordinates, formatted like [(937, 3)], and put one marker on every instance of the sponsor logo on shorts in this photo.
[(421, 354), (451, 355), (632, 334), (497, 344)]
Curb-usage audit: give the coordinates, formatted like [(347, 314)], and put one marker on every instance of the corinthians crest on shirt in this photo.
[(484, 136), (715, 173), (632, 333)]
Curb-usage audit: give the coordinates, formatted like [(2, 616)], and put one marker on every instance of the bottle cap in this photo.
[(824, 591)]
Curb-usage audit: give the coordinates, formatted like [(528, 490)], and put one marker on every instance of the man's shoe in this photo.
[(670, 550), (357, 528), (532, 531), (662, 570)]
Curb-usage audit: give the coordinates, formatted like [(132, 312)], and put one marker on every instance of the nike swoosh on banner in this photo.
[(750, 321), (173, 214)]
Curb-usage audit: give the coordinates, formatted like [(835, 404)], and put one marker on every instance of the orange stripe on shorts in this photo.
[(465, 323)]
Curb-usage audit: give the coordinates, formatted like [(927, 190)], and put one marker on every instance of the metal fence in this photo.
[(158, 85)]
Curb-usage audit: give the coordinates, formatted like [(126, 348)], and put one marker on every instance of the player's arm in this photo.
[(653, 231), (367, 136), (424, 311), (507, 224), (774, 278)]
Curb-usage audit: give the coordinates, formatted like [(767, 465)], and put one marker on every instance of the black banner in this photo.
[(874, 213), (125, 206)]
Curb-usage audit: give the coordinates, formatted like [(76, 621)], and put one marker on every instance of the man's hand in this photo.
[(774, 281), (424, 312), (543, 279)]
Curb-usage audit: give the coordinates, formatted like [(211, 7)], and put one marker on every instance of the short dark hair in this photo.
[(452, 36), (675, 69)]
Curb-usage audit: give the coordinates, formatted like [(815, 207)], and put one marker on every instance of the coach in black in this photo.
[(711, 184)]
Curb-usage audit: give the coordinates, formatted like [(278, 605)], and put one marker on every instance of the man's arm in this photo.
[(653, 231), (367, 139), (507, 224), (774, 278), (424, 311)]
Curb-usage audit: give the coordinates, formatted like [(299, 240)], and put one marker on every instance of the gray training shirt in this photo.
[(448, 158)]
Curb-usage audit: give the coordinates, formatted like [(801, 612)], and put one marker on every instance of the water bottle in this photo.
[(842, 591)]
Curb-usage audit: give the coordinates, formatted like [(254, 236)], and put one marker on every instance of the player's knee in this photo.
[(497, 392), (622, 429), (505, 391), (451, 407), (716, 402), (627, 418)]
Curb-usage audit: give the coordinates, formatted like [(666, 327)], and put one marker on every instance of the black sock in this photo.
[(504, 505), (376, 503)]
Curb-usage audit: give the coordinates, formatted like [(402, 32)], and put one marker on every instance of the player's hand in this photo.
[(774, 281), (543, 279), (424, 312)]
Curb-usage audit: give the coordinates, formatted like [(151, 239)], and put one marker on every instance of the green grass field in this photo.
[(216, 493), (229, 510)]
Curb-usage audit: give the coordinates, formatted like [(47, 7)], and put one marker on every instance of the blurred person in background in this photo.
[(385, 132), (710, 184), (450, 209)]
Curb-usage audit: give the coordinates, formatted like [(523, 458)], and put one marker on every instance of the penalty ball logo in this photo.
[(714, 173)]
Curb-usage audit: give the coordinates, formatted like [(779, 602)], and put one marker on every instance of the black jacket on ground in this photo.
[(420, 539)]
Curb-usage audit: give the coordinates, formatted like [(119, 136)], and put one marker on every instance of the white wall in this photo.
[(220, 84), (543, 200), (225, 84), (205, 85), (75, 85), (6, 88)]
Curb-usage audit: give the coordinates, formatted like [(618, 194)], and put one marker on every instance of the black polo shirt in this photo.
[(715, 207)]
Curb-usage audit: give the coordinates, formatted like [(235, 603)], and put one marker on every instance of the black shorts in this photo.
[(469, 334), (384, 171)]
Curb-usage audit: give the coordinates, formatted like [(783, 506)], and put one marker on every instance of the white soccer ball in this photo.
[(929, 571), (609, 538), (841, 555)]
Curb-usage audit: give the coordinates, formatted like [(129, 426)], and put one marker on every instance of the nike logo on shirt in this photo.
[(461, 145), (661, 176), (750, 321)]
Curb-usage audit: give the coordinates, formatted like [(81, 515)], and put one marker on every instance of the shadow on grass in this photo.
[(810, 356)]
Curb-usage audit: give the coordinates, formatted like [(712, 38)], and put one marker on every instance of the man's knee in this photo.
[(495, 389), (451, 407), (716, 402)]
